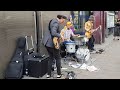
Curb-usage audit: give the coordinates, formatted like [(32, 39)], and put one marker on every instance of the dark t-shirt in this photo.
[(117, 24)]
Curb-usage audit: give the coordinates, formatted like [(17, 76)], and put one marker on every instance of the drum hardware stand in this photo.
[(69, 55), (52, 74), (83, 59), (65, 58)]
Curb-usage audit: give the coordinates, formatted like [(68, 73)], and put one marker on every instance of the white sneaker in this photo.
[(48, 76), (59, 76)]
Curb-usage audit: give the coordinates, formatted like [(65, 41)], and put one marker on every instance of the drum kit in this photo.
[(80, 41), (71, 45)]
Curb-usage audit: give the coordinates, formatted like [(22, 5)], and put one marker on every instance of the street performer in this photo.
[(54, 54), (89, 33), (68, 33)]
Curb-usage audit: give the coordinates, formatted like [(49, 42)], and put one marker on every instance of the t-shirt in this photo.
[(88, 27), (68, 34), (117, 24)]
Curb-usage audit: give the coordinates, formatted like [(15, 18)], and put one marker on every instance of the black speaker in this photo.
[(37, 67)]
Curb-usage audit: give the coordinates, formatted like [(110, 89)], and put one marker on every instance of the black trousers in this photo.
[(54, 55), (90, 43), (116, 31)]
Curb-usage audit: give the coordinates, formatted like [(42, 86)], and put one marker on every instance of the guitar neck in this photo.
[(97, 28)]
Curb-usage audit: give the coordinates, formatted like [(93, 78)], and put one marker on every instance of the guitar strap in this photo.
[(50, 28)]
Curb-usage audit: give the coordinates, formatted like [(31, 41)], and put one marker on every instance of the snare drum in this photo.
[(70, 47)]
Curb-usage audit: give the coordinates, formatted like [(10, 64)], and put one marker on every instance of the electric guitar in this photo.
[(57, 41), (88, 33)]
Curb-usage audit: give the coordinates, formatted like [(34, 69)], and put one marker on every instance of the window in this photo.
[(75, 16), (79, 19)]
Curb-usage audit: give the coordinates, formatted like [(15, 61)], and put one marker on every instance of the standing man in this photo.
[(117, 30), (53, 31)]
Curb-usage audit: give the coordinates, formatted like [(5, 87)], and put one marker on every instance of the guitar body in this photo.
[(88, 34), (56, 42), (88, 26), (89, 29)]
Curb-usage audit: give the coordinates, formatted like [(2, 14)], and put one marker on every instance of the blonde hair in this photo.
[(69, 23), (65, 28)]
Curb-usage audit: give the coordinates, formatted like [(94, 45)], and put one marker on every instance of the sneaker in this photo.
[(59, 76), (48, 76)]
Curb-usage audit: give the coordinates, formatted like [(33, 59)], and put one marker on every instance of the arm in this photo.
[(87, 26), (74, 34), (93, 30), (54, 29)]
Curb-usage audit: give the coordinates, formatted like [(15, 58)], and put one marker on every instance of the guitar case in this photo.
[(15, 66)]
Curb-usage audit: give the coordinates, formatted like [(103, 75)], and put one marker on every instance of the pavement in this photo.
[(108, 63)]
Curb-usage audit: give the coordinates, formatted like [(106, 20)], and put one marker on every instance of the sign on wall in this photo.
[(110, 20)]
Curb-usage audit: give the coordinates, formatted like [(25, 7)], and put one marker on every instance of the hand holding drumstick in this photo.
[(77, 35)]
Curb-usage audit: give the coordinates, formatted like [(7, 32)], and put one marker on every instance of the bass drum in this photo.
[(70, 47)]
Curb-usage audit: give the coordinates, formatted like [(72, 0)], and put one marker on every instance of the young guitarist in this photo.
[(89, 31)]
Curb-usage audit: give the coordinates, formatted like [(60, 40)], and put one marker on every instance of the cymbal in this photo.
[(81, 36)]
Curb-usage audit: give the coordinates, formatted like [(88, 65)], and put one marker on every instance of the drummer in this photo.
[(68, 33)]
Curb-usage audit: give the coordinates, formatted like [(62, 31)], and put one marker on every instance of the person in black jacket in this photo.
[(53, 31), (117, 30)]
